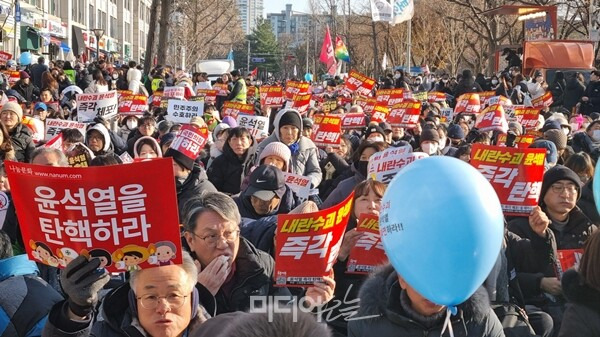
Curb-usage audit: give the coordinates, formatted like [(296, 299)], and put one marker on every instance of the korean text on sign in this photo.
[(99, 104), (353, 121), (327, 130), (133, 105), (368, 252), (467, 103), (308, 244), (515, 174), (233, 109), (384, 165), (271, 96), (295, 88), (182, 111), (405, 114), (174, 92), (258, 126), (55, 126), (190, 140), (389, 97), (359, 83), (112, 210), (297, 183)]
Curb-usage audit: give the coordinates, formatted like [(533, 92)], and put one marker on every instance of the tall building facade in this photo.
[(293, 26), (251, 11), (62, 29)]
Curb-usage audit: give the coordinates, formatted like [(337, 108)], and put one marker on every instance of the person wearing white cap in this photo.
[(20, 136)]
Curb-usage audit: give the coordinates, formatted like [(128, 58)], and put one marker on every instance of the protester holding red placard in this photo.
[(557, 210), (231, 268), (582, 290), (288, 130), (367, 200)]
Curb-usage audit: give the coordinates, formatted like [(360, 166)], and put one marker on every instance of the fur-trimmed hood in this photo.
[(375, 292), (576, 291)]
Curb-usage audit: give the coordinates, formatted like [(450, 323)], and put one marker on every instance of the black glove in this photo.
[(81, 280)]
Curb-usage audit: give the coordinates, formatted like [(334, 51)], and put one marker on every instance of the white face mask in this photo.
[(494, 82), (566, 131), (574, 127), (443, 142), (131, 124), (429, 148), (115, 76), (596, 135), (376, 139)]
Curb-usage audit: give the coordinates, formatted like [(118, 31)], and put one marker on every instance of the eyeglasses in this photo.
[(147, 126), (212, 240), (175, 301), (559, 188)]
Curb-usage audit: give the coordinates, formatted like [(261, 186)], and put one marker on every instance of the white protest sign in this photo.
[(104, 104), (384, 165), (179, 111), (297, 183), (126, 158), (174, 92), (55, 126), (257, 125)]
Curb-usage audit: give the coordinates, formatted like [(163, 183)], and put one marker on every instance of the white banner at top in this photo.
[(403, 11), (381, 10)]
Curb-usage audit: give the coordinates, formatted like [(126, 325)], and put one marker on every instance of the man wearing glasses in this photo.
[(231, 268), (568, 228), (158, 302)]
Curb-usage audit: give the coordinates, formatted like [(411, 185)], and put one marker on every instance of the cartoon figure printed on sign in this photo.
[(103, 255), (164, 254), (65, 255), (43, 253), (131, 256)]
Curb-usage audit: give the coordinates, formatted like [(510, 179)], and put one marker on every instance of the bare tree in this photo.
[(151, 33), (163, 33)]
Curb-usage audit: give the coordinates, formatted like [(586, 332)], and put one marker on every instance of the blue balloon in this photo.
[(442, 227), (25, 58), (596, 186), (308, 77)]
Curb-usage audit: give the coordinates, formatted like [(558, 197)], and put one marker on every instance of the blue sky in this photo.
[(276, 6)]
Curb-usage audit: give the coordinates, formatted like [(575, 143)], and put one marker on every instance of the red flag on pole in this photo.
[(327, 55), (254, 72)]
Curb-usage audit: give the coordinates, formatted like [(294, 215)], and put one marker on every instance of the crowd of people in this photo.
[(230, 196)]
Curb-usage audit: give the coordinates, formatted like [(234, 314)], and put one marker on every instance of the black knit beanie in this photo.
[(555, 174), (290, 118)]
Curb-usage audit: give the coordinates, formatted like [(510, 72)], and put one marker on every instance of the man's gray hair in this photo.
[(217, 202), (62, 159), (188, 265)]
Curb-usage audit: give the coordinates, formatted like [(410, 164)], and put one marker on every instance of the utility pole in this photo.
[(17, 19), (248, 60), (408, 45)]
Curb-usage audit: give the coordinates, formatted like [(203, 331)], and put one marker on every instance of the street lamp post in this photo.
[(98, 32)]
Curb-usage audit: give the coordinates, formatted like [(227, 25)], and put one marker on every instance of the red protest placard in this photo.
[(484, 97), (295, 88), (515, 174), (379, 114), (354, 121), (567, 259), (271, 95), (405, 115), (327, 130), (521, 142), (527, 117), (498, 100), (368, 252), (210, 95), (190, 140), (174, 92), (307, 245), (233, 109), (467, 103), (492, 118), (156, 99), (543, 101), (107, 209), (4, 57), (435, 96), (133, 105), (367, 103), (13, 76), (251, 91), (301, 102), (359, 83), (222, 89), (389, 97)]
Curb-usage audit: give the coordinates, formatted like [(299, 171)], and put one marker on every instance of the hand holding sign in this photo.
[(320, 293), (351, 237), (82, 281)]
